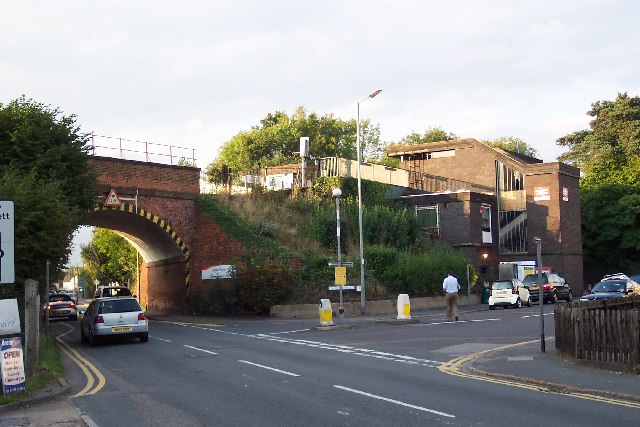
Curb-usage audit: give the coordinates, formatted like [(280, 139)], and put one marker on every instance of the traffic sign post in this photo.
[(7, 242)]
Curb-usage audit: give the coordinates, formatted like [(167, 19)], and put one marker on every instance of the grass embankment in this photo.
[(49, 369)]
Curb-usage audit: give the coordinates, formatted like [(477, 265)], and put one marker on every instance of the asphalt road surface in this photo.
[(275, 373)]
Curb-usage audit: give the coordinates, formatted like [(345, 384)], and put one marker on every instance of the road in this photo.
[(272, 373)]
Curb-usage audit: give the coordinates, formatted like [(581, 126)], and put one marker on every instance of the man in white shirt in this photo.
[(451, 287)]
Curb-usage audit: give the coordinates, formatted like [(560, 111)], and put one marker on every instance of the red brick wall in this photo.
[(150, 176), (211, 246)]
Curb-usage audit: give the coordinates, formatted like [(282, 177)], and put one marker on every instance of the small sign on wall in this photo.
[(565, 194), (219, 272), (541, 194)]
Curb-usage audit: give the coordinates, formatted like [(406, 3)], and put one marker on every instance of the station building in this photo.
[(493, 204)]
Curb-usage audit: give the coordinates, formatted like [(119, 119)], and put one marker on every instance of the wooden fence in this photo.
[(604, 333)]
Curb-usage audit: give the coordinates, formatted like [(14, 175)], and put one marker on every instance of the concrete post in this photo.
[(31, 327)]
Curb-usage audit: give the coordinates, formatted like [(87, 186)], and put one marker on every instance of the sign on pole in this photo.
[(7, 242)]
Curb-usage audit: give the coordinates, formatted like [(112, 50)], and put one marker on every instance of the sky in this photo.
[(193, 74)]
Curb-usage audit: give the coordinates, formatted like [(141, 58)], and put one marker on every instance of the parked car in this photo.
[(60, 306), (554, 288), (508, 293), (112, 291), (72, 294), (116, 317), (612, 288)]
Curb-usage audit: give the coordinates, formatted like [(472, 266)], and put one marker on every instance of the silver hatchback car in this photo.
[(116, 316)]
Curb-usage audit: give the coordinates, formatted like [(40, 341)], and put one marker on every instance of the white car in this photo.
[(114, 317), (508, 293)]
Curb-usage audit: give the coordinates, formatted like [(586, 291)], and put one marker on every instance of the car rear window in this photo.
[(533, 279), (59, 297), (119, 306), (502, 285)]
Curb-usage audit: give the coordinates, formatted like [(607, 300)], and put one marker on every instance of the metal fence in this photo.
[(144, 151), (600, 332)]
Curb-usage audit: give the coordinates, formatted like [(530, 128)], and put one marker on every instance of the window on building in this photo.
[(486, 224), (427, 216), (512, 209)]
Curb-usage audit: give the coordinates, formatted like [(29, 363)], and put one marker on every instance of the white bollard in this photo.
[(326, 313), (404, 307)]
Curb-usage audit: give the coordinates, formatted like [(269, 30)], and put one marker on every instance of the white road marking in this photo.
[(459, 321), (334, 347), (289, 332), (200, 349), (536, 315), (157, 338), (269, 368), (397, 402)]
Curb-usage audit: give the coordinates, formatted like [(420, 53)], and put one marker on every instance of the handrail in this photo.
[(103, 145)]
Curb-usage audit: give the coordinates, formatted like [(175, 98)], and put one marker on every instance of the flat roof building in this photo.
[(492, 203)]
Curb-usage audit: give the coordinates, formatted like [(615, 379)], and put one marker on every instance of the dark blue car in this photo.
[(612, 289)]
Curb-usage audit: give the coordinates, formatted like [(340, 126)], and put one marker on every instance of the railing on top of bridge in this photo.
[(130, 149)]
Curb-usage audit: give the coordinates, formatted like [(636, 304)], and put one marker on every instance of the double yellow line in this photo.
[(456, 367), (95, 379)]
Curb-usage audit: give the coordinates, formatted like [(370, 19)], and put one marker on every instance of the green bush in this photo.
[(418, 274), (261, 285)]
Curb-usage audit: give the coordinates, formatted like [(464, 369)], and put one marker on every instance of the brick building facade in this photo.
[(492, 204)]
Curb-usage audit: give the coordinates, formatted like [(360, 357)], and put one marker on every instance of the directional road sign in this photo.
[(7, 242)]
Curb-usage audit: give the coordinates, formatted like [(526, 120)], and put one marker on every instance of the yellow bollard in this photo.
[(404, 307), (326, 313)]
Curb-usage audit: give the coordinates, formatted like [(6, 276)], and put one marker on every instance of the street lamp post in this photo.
[(362, 293), (336, 195)]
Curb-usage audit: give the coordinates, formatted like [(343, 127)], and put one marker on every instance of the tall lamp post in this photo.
[(336, 195), (358, 143)]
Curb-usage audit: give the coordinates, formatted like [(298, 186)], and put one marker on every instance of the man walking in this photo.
[(451, 287)]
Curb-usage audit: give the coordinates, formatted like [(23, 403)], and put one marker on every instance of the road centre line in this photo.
[(333, 347), (536, 315), (158, 338), (397, 402), (269, 368), (200, 349), (458, 321)]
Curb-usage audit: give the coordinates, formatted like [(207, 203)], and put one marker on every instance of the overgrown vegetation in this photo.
[(291, 237)]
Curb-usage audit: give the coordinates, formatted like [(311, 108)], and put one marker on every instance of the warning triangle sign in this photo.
[(112, 199)]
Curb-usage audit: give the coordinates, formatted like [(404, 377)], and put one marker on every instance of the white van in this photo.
[(112, 291)]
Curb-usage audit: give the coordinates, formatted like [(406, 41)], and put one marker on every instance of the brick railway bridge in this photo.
[(158, 214)]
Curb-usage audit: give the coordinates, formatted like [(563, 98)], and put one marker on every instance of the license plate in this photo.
[(533, 288), (121, 329)]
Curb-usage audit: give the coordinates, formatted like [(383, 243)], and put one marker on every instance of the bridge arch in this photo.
[(154, 238)]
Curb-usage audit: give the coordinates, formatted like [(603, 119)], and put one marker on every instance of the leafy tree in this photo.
[(511, 143), (109, 258), (609, 156), (44, 169), (432, 134), (275, 141)]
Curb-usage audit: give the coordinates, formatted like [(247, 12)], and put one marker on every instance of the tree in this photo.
[(109, 258), (432, 134), (275, 141), (44, 169), (609, 156), (513, 144)]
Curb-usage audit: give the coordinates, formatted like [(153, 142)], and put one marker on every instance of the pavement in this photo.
[(547, 372)]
